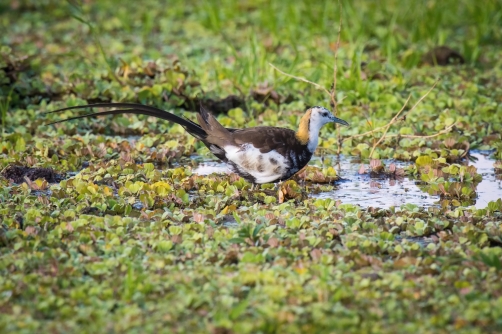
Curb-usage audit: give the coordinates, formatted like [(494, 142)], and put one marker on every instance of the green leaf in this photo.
[(239, 309), (423, 160), (148, 167), (236, 217), (164, 245), (20, 145), (237, 240), (175, 230), (257, 230), (491, 260)]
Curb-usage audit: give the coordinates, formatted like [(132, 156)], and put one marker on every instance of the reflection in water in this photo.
[(490, 188), (382, 192), (366, 190), (210, 167)]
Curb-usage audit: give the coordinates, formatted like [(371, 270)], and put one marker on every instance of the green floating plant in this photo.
[(132, 240)]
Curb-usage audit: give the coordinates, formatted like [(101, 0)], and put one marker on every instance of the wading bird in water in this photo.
[(261, 154)]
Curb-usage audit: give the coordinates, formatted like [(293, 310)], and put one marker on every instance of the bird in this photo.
[(261, 154)]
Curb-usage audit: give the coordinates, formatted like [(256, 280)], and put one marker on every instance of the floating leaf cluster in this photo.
[(105, 227)]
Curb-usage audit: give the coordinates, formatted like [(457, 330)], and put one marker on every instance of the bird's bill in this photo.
[(338, 120)]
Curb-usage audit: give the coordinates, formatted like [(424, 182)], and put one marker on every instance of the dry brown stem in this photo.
[(445, 130), (301, 79), (394, 119)]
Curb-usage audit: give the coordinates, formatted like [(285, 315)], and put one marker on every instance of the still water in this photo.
[(374, 191)]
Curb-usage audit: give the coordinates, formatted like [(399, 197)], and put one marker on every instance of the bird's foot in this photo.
[(277, 185)]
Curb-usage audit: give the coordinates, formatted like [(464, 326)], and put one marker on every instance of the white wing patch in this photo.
[(264, 167)]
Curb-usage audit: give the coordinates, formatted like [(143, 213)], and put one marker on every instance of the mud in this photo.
[(18, 173), (442, 56)]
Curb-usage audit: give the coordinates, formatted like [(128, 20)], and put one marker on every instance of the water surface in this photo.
[(382, 192)]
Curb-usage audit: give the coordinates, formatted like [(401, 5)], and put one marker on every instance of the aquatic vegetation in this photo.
[(105, 226)]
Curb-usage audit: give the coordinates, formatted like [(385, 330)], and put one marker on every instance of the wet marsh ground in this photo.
[(379, 190), (111, 225)]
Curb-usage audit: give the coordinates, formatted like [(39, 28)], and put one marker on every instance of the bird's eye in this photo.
[(325, 114)]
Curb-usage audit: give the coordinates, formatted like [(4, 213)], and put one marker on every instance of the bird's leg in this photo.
[(252, 187), (305, 181)]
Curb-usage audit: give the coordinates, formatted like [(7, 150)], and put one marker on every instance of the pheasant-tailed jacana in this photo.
[(261, 154)]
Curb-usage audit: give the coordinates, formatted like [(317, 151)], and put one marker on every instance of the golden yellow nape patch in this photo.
[(303, 130)]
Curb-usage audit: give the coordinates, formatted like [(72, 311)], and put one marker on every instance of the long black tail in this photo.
[(138, 109)]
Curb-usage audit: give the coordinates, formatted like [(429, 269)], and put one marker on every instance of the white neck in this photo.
[(314, 129)]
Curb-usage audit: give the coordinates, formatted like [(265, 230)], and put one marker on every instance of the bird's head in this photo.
[(312, 122), (320, 116)]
